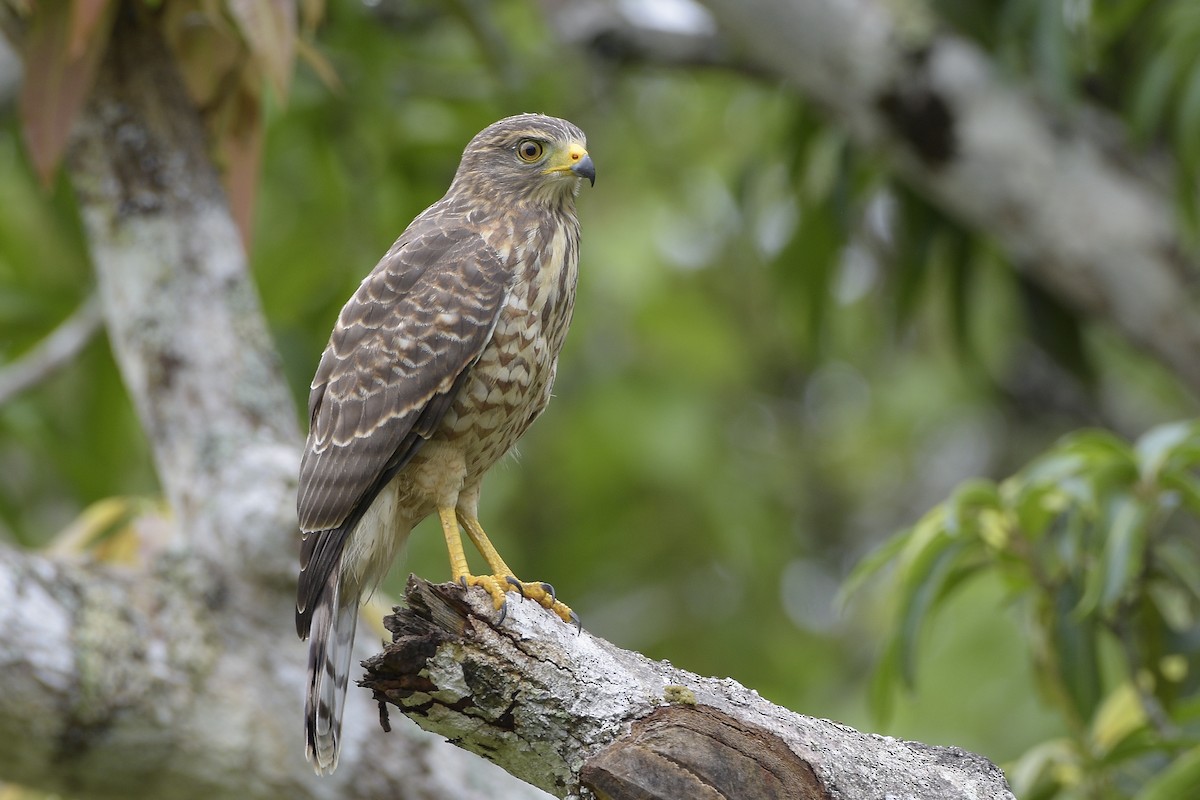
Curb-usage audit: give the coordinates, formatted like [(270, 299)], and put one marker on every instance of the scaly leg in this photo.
[(459, 571), (483, 544), (543, 593)]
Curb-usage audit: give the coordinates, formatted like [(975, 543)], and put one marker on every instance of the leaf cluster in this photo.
[(228, 53), (1096, 543)]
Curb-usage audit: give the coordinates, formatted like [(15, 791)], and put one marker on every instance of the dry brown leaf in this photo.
[(311, 14), (85, 16), (240, 145), (316, 61), (56, 83), (210, 53), (269, 28)]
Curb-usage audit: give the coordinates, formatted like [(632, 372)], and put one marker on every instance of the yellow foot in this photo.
[(499, 585)]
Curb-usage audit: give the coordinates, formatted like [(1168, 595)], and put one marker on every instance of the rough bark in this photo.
[(579, 717), (180, 676)]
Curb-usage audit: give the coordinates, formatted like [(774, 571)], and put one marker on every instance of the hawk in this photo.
[(443, 357)]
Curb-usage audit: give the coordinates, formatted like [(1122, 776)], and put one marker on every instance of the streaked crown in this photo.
[(528, 157)]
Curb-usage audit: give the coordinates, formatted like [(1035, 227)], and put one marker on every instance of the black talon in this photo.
[(503, 614), (548, 589), (514, 582), (463, 582), (578, 623)]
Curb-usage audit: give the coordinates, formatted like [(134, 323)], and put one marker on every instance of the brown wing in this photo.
[(401, 348)]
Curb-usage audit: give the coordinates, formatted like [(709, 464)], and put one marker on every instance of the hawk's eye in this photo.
[(529, 150)]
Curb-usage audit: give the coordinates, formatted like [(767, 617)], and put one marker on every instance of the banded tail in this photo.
[(331, 643)]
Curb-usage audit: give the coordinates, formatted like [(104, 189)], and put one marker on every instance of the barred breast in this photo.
[(511, 383)]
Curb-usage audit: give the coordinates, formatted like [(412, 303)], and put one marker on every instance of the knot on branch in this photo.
[(700, 752)]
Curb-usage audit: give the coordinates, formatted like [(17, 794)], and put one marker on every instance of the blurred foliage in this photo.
[(1139, 58), (1097, 545), (779, 356)]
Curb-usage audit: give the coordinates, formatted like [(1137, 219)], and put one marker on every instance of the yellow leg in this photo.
[(543, 593), (458, 559), (459, 571), (484, 545)]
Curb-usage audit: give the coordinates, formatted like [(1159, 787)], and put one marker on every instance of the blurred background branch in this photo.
[(48, 355)]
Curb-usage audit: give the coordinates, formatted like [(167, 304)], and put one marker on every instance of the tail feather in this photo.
[(330, 648)]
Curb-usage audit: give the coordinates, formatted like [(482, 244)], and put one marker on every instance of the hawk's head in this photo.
[(527, 157)]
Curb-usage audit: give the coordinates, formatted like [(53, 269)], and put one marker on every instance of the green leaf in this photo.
[(1112, 20), (1124, 532), (1153, 93), (1053, 468), (881, 694), (1098, 445), (955, 258), (1037, 765), (1119, 716), (1076, 653), (978, 493), (1187, 711), (1043, 492), (871, 565), (1159, 445), (1052, 51), (921, 587), (962, 510), (1180, 565), (1178, 781), (918, 224), (1187, 121), (823, 164), (1137, 744)]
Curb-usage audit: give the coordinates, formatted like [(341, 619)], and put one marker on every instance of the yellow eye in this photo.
[(529, 150)]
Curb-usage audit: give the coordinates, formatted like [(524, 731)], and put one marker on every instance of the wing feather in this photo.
[(376, 380), (402, 347)]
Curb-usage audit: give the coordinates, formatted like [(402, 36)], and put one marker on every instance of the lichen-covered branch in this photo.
[(119, 683), (152, 681), (579, 717)]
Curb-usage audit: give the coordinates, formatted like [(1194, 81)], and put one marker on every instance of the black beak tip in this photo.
[(584, 168)]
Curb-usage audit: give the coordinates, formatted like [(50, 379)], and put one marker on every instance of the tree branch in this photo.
[(573, 714), (621, 34), (153, 681), (63, 344)]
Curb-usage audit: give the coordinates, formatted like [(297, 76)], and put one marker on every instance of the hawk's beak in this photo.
[(584, 168), (580, 163)]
